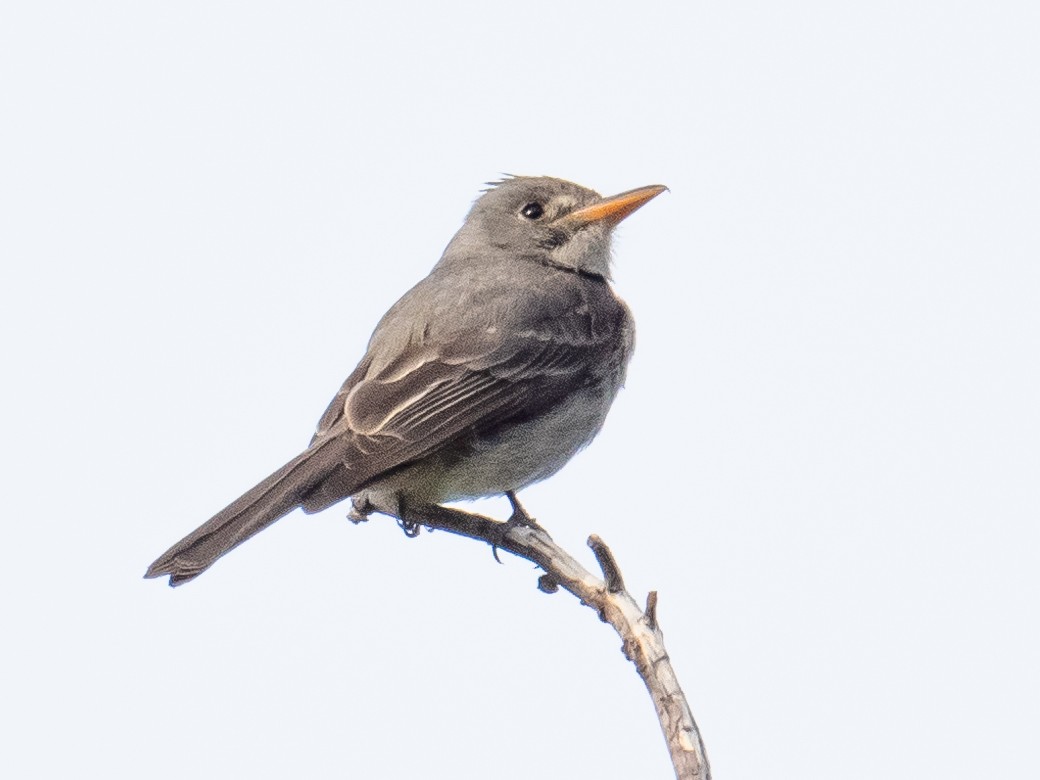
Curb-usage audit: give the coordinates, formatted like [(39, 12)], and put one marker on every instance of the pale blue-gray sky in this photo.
[(825, 460)]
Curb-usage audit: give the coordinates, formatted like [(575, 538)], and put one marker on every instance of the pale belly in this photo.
[(522, 454)]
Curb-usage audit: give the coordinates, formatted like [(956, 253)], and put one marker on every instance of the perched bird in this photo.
[(485, 377)]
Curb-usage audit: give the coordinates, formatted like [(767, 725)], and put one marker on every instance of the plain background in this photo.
[(826, 458)]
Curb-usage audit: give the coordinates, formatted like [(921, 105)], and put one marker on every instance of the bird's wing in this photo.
[(466, 350), (425, 399)]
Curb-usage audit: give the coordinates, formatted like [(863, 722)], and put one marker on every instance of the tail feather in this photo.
[(259, 507)]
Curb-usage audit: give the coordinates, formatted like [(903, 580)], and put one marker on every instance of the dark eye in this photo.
[(532, 210)]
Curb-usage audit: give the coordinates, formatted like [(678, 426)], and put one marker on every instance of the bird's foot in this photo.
[(362, 508), (520, 516), (411, 528)]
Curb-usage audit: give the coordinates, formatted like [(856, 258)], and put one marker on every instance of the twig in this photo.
[(651, 610), (642, 640)]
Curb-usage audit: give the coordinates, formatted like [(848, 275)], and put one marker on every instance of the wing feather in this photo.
[(424, 391)]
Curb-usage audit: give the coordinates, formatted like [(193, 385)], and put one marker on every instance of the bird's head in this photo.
[(548, 219)]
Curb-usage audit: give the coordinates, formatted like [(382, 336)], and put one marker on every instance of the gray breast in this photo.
[(589, 332)]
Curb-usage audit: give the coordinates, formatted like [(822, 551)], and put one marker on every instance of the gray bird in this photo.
[(487, 376)]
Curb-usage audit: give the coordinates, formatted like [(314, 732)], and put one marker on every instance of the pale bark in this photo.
[(642, 640)]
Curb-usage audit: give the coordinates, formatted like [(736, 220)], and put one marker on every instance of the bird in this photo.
[(487, 376)]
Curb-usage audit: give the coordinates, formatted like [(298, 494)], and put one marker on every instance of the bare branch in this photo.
[(642, 640)]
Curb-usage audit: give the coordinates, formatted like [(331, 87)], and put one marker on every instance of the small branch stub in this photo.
[(651, 610), (605, 559), (547, 584)]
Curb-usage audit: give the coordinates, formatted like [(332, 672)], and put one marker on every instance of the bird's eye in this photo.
[(532, 210)]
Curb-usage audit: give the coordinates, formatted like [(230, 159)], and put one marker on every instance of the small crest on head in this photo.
[(498, 182)]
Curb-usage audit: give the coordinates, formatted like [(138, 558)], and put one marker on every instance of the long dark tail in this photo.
[(272, 499)]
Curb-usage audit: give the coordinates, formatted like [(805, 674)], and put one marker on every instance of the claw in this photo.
[(410, 527)]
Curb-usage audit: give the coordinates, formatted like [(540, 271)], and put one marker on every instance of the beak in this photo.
[(611, 211)]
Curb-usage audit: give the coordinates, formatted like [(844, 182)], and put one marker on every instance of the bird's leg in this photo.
[(519, 516), (362, 508)]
